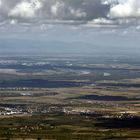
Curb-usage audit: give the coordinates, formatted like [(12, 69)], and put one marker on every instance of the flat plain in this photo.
[(66, 97)]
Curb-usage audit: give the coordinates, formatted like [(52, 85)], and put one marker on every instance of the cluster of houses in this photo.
[(43, 109)]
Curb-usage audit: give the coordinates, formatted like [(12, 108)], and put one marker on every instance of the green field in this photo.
[(61, 127)]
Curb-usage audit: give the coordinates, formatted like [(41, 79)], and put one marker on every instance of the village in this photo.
[(16, 110)]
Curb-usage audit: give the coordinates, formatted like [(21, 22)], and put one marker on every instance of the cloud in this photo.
[(125, 9), (92, 13), (78, 13), (102, 22), (52, 10), (25, 9), (57, 8)]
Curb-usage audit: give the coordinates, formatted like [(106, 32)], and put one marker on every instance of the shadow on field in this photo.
[(132, 123)]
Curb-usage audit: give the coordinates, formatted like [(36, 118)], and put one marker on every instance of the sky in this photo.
[(103, 23)]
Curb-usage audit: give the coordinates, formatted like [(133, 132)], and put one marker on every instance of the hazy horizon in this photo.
[(65, 26)]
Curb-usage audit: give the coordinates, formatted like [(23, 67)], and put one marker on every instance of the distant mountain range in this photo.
[(21, 46)]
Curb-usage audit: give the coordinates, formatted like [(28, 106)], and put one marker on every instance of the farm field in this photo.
[(69, 98)]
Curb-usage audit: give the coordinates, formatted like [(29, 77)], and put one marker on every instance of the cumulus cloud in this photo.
[(53, 9), (25, 9), (110, 13), (57, 8), (78, 13), (125, 9)]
